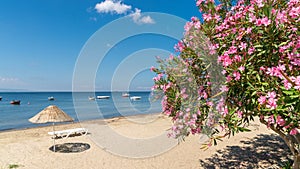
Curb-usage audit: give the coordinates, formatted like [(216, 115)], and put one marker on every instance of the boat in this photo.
[(0, 98), (51, 98), (125, 94), (135, 98), (103, 97), (91, 98), (15, 102)]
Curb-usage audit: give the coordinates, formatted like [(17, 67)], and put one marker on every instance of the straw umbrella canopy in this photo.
[(51, 114)]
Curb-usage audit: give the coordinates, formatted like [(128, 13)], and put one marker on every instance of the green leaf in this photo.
[(258, 46), (295, 96), (283, 43), (242, 129), (261, 53), (288, 92), (250, 84)]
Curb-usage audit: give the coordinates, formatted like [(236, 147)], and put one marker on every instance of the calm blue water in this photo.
[(16, 116)]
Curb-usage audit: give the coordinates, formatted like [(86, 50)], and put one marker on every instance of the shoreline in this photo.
[(84, 121)]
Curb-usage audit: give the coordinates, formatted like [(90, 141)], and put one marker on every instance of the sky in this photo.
[(45, 45)]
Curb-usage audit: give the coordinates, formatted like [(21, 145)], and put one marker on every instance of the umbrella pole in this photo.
[(54, 137)]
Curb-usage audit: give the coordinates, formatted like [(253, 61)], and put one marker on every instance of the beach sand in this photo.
[(138, 142)]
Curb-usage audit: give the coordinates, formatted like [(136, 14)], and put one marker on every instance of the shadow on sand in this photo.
[(263, 151), (70, 147)]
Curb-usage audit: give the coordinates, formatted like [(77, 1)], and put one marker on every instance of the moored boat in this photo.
[(15, 102), (0, 98), (91, 98), (135, 98), (125, 94), (103, 97), (51, 98)]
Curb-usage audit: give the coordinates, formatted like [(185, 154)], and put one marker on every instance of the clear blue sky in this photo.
[(40, 41)]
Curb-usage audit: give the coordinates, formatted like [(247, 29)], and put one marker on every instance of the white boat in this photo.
[(135, 98), (91, 98), (51, 98), (103, 97), (125, 94)]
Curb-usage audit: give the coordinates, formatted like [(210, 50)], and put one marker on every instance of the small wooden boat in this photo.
[(103, 97), (135, 98), (15, 102), (125, 94), (51, 98)]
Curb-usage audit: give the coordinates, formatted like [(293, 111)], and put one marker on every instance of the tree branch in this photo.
[(286, 139)]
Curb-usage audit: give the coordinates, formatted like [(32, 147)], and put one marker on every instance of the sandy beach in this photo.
[(137, 142)]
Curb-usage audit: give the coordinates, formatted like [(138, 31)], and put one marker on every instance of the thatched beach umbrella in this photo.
[(51, 114)]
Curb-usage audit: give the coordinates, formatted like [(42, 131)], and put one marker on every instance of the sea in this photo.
[(77, 105)]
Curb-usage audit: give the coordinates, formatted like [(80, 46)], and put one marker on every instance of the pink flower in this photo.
[(297, 83), (281, 17), (237, 75), (243, 45), (258, 22), (251, 50), (198, 3), (271, 120), (272, 103), (197, 24), (204, 95), (240, 114), (179, 46), (207, 17), (280, 121), (225, 112), (287, 84), (228, 78), (158, 77), (241, 68), (166, 87), (188, 26), (262, 100), (294, 131), (154, 87), (152, 68), (265, 21), (227, 61), (249, 30), (259, 3), (294, 13), (209, 103), (271, 95), (252, 17), (224, 88), (232, 50), (199, 112), (237, 58)]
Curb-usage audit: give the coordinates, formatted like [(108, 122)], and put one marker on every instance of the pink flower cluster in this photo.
[(270, 100), (280, 121)]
